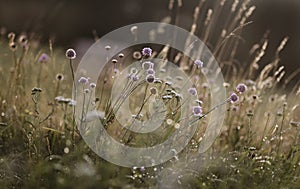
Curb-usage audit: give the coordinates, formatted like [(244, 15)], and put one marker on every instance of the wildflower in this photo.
[(241, 88), (169, 83), (167, 97), (83, 80), (11, 36), (176, 125), (133, 71), (61, 99), (59, 77), (72, 103), (142, 169), (199, 102), (137, 55), (150, 71), (114, 61), (71, 54), (198, 63), (153, 90), (150, 78), (44, 58), (116, 71), (86, 91), (93, 85), (147, 65), (192, 91), (135, 77), (107, 47), (35, 90), (233, 97), (13, 46), (197, 110), (147, 51), (23, 40), (121, 55)]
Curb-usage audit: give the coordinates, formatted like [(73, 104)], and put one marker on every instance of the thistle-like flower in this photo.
[(192, 91), (71, 54), (233, 97), (241, 88), (197, 111), (199, 63), (44, 58), (147, 51)]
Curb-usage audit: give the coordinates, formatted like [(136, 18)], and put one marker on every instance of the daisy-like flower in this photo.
[(150, 78)]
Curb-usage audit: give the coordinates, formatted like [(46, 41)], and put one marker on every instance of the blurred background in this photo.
[(71, 23)]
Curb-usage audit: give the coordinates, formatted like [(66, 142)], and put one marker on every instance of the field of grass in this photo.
[(259, 144)]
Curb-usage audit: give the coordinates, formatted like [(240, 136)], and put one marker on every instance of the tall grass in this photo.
[(258, 145)]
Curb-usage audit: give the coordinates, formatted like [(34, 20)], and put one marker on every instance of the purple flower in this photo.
[(71, 54), (92, 85), (151, 71), (44, 58), (241, 88), (142, 169), (83, 80), (233, 97), (192, 91), (147, 51), (135, 77), (199, 63), (150, 78), (197, 110)]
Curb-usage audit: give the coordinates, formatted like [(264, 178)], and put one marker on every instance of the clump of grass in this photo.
[(258, 145)]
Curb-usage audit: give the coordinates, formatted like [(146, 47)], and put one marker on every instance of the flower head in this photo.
[(147, 65), (197, 110), (150, 78), (192, 91), (234, 97), (71, 54), (59, 77), (198, 63), (147, 51), (241, 88), (92, 85), (135, 77), (83, 80), (44, 58), (150, 71)]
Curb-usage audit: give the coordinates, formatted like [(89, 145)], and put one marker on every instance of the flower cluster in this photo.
[(240, 88)]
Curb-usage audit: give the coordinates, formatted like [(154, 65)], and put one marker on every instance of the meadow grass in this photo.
[(258, 146)]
